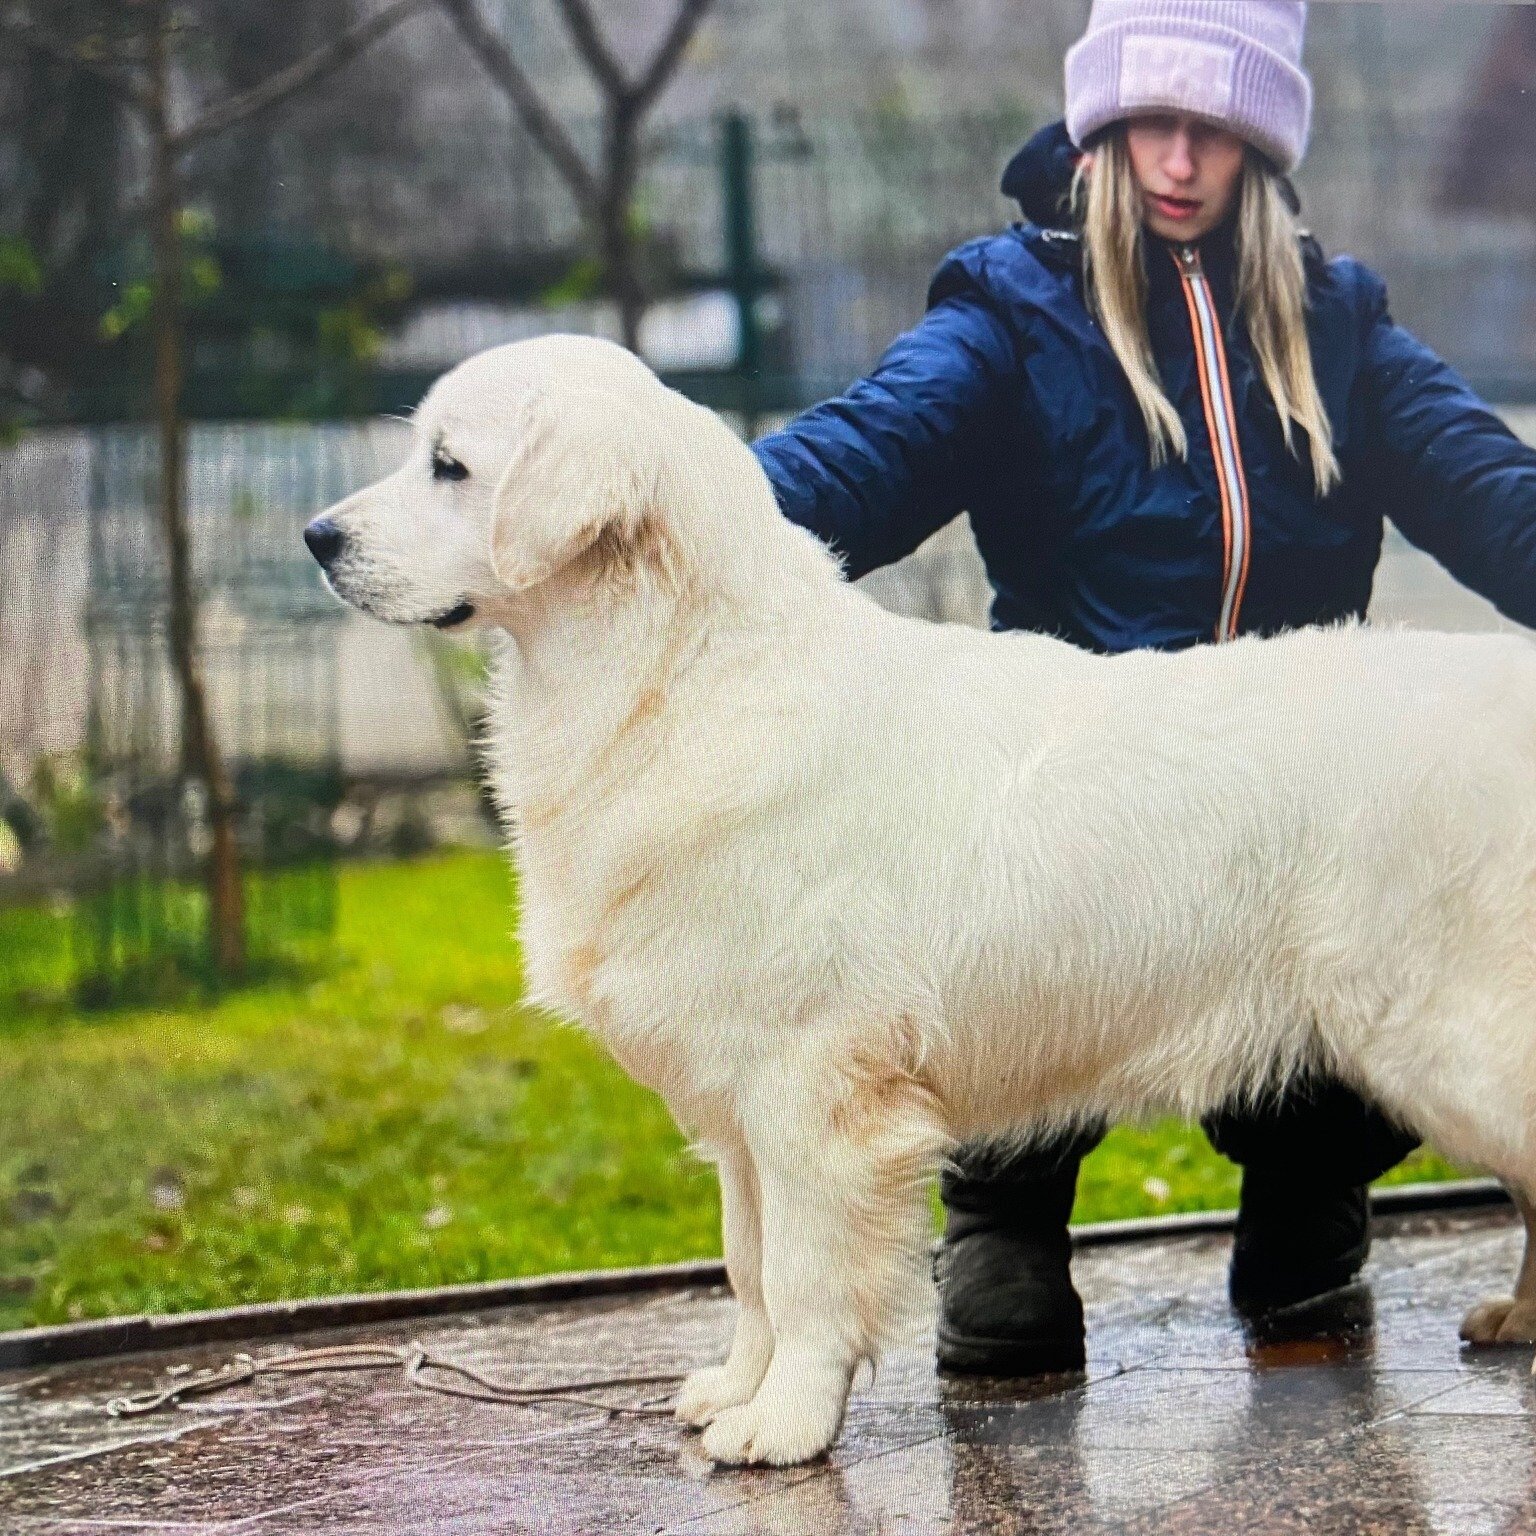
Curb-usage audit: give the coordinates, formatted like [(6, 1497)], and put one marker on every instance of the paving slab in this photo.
[(1360, 1414)]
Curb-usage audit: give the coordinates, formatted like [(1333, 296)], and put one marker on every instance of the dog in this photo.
[(847, 888)]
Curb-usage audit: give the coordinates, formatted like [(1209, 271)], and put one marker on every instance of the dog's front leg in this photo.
[(709, 1392), (808, 1278), (843, 1226)]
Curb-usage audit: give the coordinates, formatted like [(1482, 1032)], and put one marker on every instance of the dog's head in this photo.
[(528, 461)]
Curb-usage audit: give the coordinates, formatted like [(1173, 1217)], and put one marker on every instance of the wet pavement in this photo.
[(1360, 1415)]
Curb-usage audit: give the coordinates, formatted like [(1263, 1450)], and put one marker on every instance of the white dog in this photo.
[(846, 887)]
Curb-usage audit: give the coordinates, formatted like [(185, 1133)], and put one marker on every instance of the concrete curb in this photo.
[(1394, 1200), (111, 1336)]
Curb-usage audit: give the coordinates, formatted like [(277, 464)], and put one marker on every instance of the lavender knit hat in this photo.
[(1236, 62)]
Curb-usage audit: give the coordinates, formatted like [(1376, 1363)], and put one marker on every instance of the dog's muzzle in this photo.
[(328, 543)]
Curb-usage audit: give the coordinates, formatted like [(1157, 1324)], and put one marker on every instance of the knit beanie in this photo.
[(1233, 62)]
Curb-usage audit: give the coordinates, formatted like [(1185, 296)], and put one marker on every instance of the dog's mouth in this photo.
[(460, 614)]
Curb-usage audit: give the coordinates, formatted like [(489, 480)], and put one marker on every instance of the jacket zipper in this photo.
[(1221, 423)]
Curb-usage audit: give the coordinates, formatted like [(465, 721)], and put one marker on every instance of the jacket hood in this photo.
[(1040, 174)]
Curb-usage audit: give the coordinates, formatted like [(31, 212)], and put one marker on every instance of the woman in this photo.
[(1172, 423)]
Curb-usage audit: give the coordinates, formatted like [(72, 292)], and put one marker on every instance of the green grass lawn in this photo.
[(402, 1121)]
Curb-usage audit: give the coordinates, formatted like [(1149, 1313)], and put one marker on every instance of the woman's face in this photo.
[(1188, 171)]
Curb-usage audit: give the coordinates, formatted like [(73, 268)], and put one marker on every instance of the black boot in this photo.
[(1006, 1302), (1303, 1224), (1295, 1240)]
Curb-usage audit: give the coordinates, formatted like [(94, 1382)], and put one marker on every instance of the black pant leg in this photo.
[(1029, 1187), (1318, 1131)]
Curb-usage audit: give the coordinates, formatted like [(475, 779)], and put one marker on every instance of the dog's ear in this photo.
[(585, 467)]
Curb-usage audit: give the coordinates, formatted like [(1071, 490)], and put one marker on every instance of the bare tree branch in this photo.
[(650, 84), (15, 23), (542, 125), (277, 88), (589, 43)]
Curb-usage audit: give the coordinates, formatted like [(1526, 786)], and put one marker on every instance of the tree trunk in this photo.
[(620, 254), (619, 262), (199, 750)]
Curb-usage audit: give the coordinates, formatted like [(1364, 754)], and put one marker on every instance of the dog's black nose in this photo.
[(325, 540)]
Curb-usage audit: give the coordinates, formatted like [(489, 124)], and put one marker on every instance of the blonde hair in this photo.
[(1271, 295)]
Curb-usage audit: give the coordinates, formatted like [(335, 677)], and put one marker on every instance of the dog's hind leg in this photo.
[(840, 1161), (1510, 1319), (709, 1392)]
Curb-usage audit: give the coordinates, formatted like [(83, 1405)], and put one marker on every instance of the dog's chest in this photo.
[(612, 953)]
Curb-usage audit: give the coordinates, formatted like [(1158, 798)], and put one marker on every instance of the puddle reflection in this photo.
[(1314, 1433)]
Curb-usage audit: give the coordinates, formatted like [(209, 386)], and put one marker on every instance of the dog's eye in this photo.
[(446, 467)]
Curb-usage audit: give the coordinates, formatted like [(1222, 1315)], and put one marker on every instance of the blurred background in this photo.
[(239, 825)]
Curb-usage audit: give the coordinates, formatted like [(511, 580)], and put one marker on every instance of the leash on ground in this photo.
[(453, 1380)]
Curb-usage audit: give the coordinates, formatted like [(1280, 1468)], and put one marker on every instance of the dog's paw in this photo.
[(1500, 1320), (706, 1394), (773, 1430)]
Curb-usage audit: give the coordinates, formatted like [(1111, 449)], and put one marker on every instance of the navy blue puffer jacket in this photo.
[(1005, 400)]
